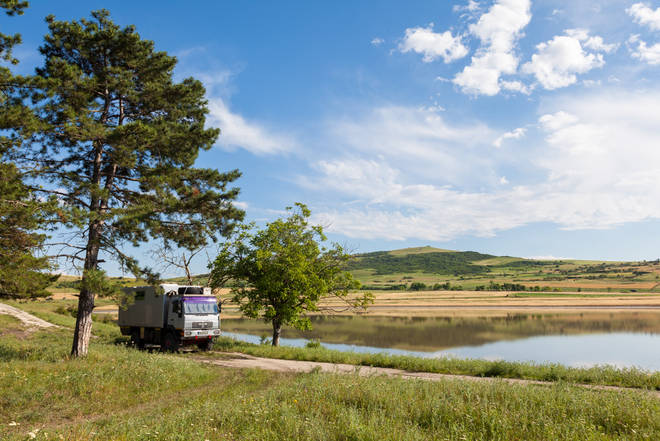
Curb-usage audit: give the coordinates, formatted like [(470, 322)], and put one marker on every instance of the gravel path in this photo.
[(29, 320), (244, 361)]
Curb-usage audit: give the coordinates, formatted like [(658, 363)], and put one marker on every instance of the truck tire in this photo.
[(136, 341), (170, 342), (205, 345)]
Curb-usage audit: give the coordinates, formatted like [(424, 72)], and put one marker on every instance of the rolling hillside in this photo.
[(434, 268)]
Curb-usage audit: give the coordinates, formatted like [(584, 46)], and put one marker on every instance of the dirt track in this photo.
[(29, 320), (243, 361)]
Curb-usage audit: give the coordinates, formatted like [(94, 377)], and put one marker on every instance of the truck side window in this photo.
[(176, 306)]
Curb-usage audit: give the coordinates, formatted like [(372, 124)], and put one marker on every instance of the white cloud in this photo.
[(558, 61), (237, 132), (416, 137), (433, 45), (514, 134), (558, 120), (596, 166), (594, 43), (644, 15), (592, 83), (471, 6), (377, 41), (548, 257), (647, 54), (498, 30), (516, 86)]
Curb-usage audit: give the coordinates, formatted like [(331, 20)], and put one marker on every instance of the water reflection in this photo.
[(436, 333), (617, 349), (581, 339)]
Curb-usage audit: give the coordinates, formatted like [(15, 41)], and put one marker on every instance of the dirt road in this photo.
[(30, 321), (243, 361)]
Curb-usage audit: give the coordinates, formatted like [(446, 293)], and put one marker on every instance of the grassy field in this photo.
[(470, 270), (122, 394)]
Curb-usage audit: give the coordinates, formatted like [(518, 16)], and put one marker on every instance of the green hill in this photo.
[(425, 259), (442, 262)]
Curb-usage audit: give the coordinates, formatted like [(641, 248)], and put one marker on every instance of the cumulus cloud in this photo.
[(498, 30), (514, 134), (517, 86), (647, 54), (644, 15), (557, 62), (596, 166), (377, 41), (237, 132), (433, 45)]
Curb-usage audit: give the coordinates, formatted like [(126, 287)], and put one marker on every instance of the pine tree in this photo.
[(22, 214), (118, 146)]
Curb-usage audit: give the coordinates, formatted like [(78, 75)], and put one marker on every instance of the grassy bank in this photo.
[(107, 332), (119, 393), (600, 375)]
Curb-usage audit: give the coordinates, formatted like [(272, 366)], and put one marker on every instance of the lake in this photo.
[(622, 339)]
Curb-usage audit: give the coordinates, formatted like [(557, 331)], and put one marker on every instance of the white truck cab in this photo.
[(171, 316)]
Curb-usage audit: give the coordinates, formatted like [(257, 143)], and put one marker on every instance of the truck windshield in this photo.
[(200, 306)]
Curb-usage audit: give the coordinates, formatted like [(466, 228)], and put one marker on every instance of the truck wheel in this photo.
[(170, 343), (205, 345), (136, 341)]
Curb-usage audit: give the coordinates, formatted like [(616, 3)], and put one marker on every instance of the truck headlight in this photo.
[(216, 332), (187, 333)]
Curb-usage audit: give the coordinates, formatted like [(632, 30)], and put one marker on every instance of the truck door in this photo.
[(174, 312)]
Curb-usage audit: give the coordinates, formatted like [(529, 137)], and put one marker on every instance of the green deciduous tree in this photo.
[(118, 146), (283, 271), (22, 273)]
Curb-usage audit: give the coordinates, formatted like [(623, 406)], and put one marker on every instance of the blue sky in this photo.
[(514, 127)]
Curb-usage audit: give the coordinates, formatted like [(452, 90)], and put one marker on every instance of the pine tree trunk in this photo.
[(83, 331), (277, 330)]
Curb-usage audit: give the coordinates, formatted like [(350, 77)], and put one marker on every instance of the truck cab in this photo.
[(171, 316)]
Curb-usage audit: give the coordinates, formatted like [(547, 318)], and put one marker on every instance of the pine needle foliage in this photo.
[(117, 145), (23, 268)]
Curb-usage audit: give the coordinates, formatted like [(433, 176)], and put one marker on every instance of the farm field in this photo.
[(451, 282)]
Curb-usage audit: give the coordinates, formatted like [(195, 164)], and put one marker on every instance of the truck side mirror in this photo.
[(219, 307)]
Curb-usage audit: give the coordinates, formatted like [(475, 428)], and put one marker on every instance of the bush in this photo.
[(313, 344)]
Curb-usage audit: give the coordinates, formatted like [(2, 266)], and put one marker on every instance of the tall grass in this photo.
[(118, 393), (598, 375)]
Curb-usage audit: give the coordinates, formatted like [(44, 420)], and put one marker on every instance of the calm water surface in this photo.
[(621, 339)]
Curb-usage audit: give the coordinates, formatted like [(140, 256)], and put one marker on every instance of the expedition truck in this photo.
[(171, 317)]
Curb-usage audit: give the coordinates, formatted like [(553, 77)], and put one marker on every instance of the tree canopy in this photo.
[(283, 271), (23, 273), (116, 144)]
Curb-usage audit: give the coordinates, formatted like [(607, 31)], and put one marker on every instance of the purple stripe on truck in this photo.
[(199, 299)]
